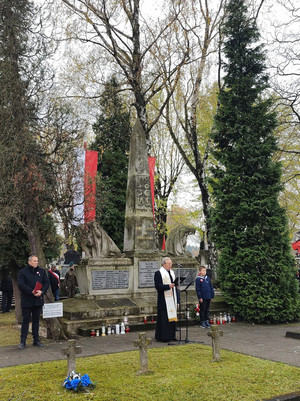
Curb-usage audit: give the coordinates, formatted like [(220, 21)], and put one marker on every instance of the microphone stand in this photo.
[(178, 275), (186, 317)]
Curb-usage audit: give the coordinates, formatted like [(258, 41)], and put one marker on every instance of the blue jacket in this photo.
[(27, 278), (204, 288)]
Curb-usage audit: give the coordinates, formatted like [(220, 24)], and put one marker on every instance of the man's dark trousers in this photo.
[(27, 313)]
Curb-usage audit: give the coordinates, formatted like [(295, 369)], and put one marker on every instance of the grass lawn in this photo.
[(179, 373), (9, 332)]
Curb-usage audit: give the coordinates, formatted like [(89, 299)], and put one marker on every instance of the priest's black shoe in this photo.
[(37, 344), (21, 346)]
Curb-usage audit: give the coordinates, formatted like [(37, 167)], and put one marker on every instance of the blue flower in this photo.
[(75, 383), (85, 380)]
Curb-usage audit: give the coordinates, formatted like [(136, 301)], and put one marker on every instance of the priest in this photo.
[(166, 302)]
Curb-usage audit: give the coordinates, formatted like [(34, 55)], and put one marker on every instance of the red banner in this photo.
[(163, 244), (151, 163), (296, 246), (90, 172)]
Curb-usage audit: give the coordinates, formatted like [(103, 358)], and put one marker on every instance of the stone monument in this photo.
[(112, 284), (139, 234)]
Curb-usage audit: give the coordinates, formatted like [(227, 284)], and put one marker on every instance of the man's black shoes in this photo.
[(37, 344)]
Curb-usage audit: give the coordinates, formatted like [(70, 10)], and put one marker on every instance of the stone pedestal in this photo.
[(104, 278)]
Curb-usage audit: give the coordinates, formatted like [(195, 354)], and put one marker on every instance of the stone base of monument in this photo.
[(90, 314), (82, 315), (112, 288)]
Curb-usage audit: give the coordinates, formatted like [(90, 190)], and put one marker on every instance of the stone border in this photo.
[(286, 397), (293, 334)]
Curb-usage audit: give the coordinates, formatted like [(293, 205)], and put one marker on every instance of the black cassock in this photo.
[(165, 330)]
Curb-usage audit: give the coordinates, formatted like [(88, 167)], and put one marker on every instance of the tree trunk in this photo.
[(54, 327)]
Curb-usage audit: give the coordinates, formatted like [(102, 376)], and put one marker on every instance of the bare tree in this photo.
[(283, 39), (201, 23), (284, 54), (119, 30), (168, 167), (61, 136)]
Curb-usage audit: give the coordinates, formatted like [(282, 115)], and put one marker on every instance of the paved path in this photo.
[(264, 341)]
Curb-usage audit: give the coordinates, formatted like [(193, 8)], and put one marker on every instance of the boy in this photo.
[(205, 292)]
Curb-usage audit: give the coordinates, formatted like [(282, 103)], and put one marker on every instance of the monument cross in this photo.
[(215, 334), (143, 343), (71, 350)]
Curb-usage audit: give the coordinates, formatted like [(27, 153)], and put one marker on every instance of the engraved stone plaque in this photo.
[(143, 194), (104, 279), (146, 273)]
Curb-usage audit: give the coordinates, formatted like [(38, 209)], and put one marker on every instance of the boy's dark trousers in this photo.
[(204, 310)]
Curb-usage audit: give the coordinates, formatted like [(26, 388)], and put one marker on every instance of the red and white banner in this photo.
[(151, 163), (90, 173), (85, 186), (296, 246)]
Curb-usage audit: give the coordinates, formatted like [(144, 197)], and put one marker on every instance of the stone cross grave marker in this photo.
[(71, 350), (143, 343), (215, 335)]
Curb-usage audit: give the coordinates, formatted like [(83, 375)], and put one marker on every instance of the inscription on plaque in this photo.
[(146, 273), (104, 279), (143, 194), (148, 268)]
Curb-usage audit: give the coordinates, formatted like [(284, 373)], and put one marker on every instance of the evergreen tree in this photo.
[(112, 131), (256, 267), (25, 178)]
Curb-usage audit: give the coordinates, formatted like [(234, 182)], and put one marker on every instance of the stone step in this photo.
[(81, 315), (135, 323), (86, 332)]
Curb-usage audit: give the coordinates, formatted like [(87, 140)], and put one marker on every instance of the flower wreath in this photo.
[(76, 382)]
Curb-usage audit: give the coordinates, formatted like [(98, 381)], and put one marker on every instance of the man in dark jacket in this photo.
[(7, 292), (54, 279), (71, 281), (33, 284)]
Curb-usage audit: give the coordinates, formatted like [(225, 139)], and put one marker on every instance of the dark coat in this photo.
[(165, 330), (27, 278), (6, 285), (204, 288), (54, 282)]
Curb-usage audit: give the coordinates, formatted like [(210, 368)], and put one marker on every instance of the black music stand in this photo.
[(177, 282)]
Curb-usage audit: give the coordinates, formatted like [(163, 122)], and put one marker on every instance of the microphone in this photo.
[(179, 265)]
